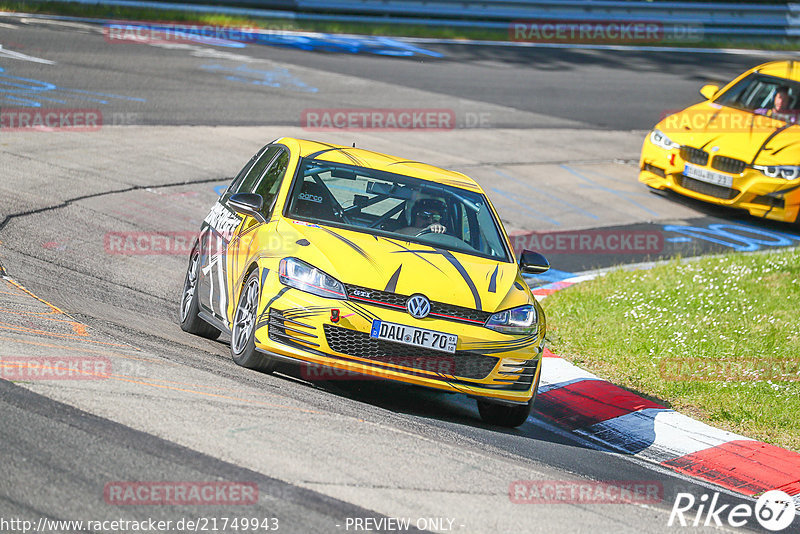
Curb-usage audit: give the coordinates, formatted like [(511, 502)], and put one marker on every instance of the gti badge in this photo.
[(418, 306)]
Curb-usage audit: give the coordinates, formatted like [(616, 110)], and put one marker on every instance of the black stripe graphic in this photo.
[(463, 272), (391, 287)]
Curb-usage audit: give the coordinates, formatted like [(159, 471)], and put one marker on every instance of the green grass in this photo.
[(360, 28), (717, 339), (149, 14)]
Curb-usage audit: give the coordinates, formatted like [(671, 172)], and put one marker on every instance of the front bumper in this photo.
[(488, 364), (771, 198)]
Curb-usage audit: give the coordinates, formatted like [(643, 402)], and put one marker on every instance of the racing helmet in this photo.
[(431, 209)]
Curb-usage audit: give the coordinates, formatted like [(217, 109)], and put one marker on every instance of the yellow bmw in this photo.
[(340, 258), (738, 148)]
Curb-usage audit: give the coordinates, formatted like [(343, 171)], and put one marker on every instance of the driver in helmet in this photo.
[(427, 215)]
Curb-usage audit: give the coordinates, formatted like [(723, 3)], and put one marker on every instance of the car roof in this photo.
[(781, 69), (381, 162)]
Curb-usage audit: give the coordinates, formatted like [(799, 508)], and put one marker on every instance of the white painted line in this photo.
[(23, 57)]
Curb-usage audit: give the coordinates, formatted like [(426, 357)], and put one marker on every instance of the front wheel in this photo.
[(510, 416), (243, 333), (190, 321)]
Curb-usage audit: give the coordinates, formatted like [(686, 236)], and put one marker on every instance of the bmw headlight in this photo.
[(658, 138), (521, 320), (300, 275), (787, 172)]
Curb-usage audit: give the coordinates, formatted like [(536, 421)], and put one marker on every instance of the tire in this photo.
[(188, 311), (243, 331), (503, 414), (510, 416)]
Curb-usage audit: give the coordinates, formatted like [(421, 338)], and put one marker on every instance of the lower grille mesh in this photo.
[(703, 188), (461, 364)]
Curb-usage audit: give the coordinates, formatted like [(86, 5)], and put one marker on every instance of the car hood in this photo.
[(398, 266), (734, 133)]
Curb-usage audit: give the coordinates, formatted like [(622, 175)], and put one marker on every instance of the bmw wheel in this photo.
[(243, 345), (190, 320)]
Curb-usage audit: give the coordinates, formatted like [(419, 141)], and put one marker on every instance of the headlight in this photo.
[(300, 275), (787, 172), (521, 320), (658, 138)]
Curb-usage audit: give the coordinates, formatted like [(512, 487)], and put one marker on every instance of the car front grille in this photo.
[(461, 364), (440, 310), (704, 188), (658, 171), (730, 165), (694, 155), (772, 202)]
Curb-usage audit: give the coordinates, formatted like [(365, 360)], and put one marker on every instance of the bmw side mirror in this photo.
[(531, 262), (709, 91), (248, 204)]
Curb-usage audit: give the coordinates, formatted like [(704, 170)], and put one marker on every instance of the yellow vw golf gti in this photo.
[(334, 257)]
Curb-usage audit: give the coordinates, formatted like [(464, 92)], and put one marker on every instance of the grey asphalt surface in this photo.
[(175, 407)]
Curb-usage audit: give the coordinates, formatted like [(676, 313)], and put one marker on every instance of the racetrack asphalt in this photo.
[(180, 121)]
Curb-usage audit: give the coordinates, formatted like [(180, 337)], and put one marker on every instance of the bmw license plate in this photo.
[(411, 335), (709, 177)]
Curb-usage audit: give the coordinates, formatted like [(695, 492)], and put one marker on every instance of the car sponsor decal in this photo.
[(311, 198), (222, 220), (310, 225)]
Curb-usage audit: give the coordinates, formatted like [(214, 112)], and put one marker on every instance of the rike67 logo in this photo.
[(774, 511)]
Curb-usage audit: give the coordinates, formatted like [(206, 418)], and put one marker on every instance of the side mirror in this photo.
[(709, 91), (531, 262), (248, 204)]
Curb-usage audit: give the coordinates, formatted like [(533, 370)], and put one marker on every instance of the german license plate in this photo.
[(707, 176), (411, 335)]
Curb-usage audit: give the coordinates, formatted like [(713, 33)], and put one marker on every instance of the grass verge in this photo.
[(440, 31), (717, 338)]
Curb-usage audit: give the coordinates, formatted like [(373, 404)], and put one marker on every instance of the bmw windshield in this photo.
[(397, 206)]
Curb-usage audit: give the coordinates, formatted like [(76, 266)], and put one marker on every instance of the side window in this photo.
[(247, 184), (271, 180), (239, 177)]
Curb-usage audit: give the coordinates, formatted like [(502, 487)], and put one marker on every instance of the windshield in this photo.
[(757, 93), (398, 206)]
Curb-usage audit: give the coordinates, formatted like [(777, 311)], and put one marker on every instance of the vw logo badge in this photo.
[(418, 306)]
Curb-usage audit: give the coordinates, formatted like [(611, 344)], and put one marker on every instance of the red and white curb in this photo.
[(599, 411)]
